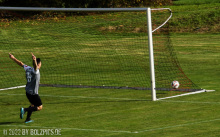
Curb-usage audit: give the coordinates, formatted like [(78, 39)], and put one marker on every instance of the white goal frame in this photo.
[(150, 34)]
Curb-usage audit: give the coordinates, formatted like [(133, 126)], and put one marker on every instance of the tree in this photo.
[(84, 3)]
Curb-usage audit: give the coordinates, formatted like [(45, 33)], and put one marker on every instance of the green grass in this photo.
[(194, 2), (87, 53), (116, 113), (195, 16), (202, 50), (81, 112), (92, 112)]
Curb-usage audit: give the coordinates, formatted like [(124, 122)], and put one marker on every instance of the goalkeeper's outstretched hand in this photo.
[(16, 60), (11, 56), (33, 57)]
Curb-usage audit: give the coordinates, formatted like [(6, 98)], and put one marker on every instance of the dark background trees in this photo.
[(73, 4), (84, 3)]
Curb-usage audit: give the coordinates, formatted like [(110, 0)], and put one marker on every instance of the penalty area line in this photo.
[(23, 86), (180, 125), (107, 98), (116, 131), (95, 97), (61, 96)]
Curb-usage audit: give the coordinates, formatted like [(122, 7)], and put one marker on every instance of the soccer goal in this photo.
[(117, 48)]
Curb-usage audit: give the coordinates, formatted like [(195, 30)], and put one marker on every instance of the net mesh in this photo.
[(103, 50), (167, 66)]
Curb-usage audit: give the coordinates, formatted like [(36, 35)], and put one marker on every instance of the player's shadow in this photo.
[(7, 123)]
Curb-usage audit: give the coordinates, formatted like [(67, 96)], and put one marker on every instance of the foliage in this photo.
[(116, 112), (84, 3), (31, 3), (194, 2)]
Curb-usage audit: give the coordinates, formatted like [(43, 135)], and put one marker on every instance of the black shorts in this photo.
[(34, 99)]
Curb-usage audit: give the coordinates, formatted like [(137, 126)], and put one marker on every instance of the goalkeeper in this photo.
[(32, 86)]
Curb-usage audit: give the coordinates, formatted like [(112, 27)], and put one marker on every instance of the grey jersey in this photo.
[(33, 80)]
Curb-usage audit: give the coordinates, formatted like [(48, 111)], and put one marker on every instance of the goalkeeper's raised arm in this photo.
[(16, 60), (34, 61)]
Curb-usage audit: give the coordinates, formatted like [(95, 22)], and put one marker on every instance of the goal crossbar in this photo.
[(153, 87), (72, 9)]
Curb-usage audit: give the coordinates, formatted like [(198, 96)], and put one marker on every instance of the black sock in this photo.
[(30, 108), (26, 109), (29, 115)]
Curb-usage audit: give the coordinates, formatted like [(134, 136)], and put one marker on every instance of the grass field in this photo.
[(101, 112), (90, 112)]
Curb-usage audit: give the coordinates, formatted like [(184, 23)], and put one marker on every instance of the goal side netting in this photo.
[(167, 66), (90, 49)]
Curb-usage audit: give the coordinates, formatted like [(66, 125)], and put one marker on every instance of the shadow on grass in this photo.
[(11, 104), (7, 123)]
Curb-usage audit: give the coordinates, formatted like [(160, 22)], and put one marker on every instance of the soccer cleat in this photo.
[(28, 121), (21, 113)]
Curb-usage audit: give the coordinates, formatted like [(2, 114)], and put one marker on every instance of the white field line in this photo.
[(86, 97), (190, 93), (67, 96), (180, 125), (159, 99), (111, 131), (13, 87), (107, 98), (79, 129), (116, 131), (94, 97), (194, 102)]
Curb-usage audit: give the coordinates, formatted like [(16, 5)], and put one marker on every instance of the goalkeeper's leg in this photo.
[(29, 111), (36, 105)]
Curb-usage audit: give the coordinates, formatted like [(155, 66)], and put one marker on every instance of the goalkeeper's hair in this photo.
[(38, 61)]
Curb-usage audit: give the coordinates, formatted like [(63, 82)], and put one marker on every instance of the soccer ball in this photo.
[(175, 84)]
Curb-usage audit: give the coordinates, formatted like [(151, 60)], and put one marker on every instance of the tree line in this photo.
[(84, 3)]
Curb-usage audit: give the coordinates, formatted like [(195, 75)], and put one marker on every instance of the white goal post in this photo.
[(149, 26), (150, 38)]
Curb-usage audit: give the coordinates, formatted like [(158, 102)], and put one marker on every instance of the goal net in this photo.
[(91, 49), (167, 66)]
